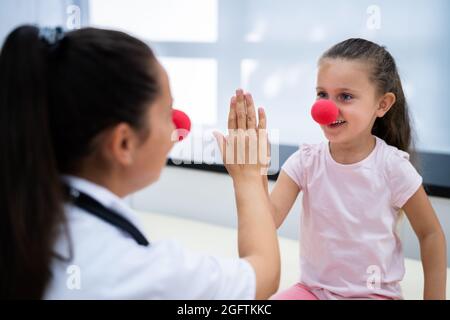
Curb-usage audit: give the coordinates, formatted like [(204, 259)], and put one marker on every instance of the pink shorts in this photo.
[(301, 292), (296, 292)]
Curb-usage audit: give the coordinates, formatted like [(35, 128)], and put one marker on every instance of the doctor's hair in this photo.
[(55, 99), (395, 126)]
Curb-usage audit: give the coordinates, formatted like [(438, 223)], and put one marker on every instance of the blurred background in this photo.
[(211, 47), (270, 48)]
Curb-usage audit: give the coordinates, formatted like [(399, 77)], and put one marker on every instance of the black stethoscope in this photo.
[(92, 206)]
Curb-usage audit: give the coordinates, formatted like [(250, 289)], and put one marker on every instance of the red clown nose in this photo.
[(324, 112), (182, 123)]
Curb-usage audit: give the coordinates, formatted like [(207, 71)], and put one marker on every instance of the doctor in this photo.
[(86, 119)]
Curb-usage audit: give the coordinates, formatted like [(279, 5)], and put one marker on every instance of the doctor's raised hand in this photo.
[(245, 155), (245, 150)]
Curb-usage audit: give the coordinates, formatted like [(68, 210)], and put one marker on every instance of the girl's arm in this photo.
[(433, 250), (282, 197)]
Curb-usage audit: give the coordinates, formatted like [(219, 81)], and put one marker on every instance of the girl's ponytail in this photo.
[(30, 190)]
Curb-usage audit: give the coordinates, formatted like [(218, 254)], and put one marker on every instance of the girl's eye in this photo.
[(346, 97), (321, 95)]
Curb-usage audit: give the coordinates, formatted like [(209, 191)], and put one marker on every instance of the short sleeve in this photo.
[(403, 178), (166, 270), (296, 165)]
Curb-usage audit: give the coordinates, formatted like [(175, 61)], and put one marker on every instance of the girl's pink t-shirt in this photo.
[(349, 247)]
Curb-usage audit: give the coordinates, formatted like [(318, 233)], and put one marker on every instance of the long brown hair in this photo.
[(55, 98), (395, 126)]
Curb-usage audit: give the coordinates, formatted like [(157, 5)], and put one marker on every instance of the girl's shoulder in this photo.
[(391, 155), (391, 151), (308, 153), (402, 178), (395, 162), (311, 149), (305, 159)]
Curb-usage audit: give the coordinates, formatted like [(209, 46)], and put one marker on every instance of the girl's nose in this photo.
[(324, 112)]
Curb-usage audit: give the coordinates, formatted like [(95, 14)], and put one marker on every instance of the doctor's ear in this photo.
[(385, 103), (122, 143)]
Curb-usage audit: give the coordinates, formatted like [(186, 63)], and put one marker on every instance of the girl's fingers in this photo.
[(232, 124), (240, 110), (251, 115), (262, 118)]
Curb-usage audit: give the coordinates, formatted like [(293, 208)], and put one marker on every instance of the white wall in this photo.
[(209, 197), (270, 48), (43, 12)]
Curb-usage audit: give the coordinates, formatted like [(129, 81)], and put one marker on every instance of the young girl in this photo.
[(356, 185)]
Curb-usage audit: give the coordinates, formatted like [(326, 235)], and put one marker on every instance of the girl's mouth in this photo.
[(336, 124)]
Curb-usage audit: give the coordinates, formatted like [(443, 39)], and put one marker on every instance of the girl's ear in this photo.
[(122, 144), (385, 103)]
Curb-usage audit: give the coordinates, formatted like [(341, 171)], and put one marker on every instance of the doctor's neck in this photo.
[(112, 182)]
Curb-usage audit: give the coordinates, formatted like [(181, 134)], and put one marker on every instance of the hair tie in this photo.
[(52, 36)]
